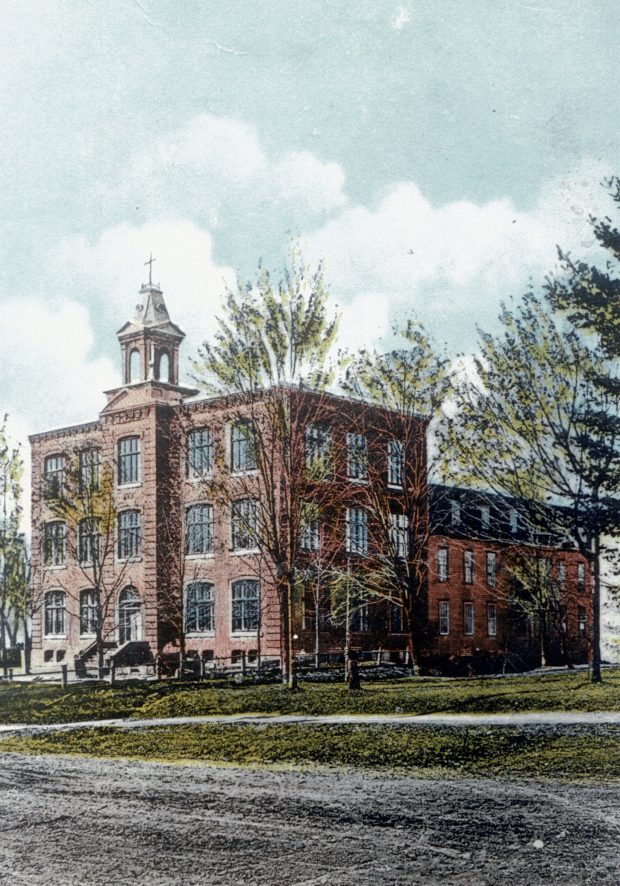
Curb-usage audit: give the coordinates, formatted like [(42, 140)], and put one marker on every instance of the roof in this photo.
[(151, 313)]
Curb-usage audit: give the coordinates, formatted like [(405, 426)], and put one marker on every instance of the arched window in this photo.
[(135, 366), (129, 615), (163, 366)]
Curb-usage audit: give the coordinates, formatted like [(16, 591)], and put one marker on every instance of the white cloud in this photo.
[(212, 163), (452, 264), (401, 18)]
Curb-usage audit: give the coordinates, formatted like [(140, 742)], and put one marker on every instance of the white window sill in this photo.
[(197, 634), (88, 636), (360, 481), (55, 636), (55, 568), (253, 472), (201, 478), (130, 485), (244, 635), (208, 555), (395, 486), (244, 552), (128, 560)]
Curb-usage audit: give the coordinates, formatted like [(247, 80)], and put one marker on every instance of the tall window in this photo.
[(444, 618), (244, 524), (199, 453), (514, 521), (319, 451), (88, 541), (468, 567), (359, 614), (442, 564), (163, 367), (243, 447), (54, 472), (396, 462), (562, 575), (491, 619), (199, 607), (396, 619), (491, 569), (357, 457), (581, 577), (455, 513), (399, 535), (356, 531), (128, 534), (135, 366), (89, 612), (310, 526), (55, 543), (90, 469), (199, 537), (469, 619), (54, 606), (245, 605), (128, 460), (581, 621), (485, 518)]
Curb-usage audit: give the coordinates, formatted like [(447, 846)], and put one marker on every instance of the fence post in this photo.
[(243, 662), (64, 677), (11, 674), (203, 667), (112, 673)]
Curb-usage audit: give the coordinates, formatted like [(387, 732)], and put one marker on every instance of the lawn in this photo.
[(575, 754), (570, 691)]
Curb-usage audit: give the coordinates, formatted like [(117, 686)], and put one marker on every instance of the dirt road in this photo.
[(91, 822)]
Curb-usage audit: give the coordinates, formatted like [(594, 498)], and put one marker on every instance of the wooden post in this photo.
[(112, 673), (203, 667), (64, 677), (11, 674)]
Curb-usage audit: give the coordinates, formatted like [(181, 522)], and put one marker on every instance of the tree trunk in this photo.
[(100, 653), (288, 664), (596, 610)]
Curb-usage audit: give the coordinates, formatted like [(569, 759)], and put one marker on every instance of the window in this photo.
[(128, 460), (359, 614), (485, 518), (455, 513), (54, 475), (310, 526), (469, 619), (357, 457), (55, 613), (581, 621), (562, 575), (163, 367), (199, 453), (55, 543), (396, 618), (399, 535), (442, 564), (128, 534), (396, 463), (90, 469), (129, 615), (199, 607), (243, 450), (468, 567), (244, 523), (245, 605), (199, 522), (491, 619), (514, 520), (581, 577), (319, 451), (356, 531), (491, 569), (444, 618), (134, 366), (88, 541), (89, 612)]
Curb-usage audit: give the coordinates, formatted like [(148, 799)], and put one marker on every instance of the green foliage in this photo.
[(15, 597)]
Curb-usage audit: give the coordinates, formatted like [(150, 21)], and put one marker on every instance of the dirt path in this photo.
[(91, 822)]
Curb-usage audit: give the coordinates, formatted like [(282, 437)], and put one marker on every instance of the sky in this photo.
[(431, 152)]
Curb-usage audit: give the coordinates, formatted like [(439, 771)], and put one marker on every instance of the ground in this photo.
[(87, 821)]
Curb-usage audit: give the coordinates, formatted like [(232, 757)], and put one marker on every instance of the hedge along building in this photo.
[(174, 524)]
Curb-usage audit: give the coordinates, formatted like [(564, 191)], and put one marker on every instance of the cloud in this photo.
[(452, 264), (401, 18), (212, 163)]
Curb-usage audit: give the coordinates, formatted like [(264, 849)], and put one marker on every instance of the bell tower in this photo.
[(150, 342)]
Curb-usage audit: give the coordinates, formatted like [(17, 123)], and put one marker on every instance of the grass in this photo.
[(570, 691), (576, 754)]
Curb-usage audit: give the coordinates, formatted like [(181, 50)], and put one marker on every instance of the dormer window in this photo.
[(485, 518), (514, 521), (455, 513)]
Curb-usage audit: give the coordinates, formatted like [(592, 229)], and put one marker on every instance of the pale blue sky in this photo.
[(432, 151)]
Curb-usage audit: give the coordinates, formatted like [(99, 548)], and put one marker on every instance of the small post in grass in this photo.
[(64, 676)]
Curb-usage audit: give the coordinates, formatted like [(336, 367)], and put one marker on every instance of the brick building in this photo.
[(179, 566)]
